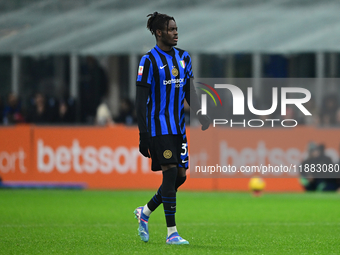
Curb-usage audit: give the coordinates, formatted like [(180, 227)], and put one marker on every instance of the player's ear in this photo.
[(158, 33)]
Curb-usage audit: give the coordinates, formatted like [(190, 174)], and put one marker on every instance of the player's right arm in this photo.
[(144, 79)]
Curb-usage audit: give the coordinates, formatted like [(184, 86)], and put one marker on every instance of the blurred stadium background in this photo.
[(67, 88), (73, 63), (87, 50)]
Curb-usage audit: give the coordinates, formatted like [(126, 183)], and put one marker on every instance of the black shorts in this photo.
[(169, 149)]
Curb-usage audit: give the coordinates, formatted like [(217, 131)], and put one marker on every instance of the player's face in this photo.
[(169, 37)]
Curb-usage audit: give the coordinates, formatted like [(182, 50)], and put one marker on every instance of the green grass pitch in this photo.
[(102, 222)]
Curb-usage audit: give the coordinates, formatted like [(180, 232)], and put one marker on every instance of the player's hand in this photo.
[(204, 120), (144, 144)]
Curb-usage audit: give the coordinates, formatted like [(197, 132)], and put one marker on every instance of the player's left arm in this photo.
[(191, 96)]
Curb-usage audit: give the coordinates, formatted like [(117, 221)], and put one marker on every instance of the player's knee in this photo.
[(169, 182), (168, 191), (181, 172)]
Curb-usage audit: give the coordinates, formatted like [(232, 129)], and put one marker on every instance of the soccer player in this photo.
[(163, 82)]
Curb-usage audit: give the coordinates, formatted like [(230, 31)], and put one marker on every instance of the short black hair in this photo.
[(158, 21)]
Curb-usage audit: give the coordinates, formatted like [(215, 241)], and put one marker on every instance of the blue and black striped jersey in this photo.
[(167, 74)]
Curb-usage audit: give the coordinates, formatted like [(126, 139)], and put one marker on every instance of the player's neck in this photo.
[(164, 47)]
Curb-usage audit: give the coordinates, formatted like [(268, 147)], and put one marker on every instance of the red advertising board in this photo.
[(108, 158)]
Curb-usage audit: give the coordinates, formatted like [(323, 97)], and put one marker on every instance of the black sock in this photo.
[(156, 200), (169, 195)]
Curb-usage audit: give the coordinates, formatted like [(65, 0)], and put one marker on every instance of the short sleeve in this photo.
[(144, 76)]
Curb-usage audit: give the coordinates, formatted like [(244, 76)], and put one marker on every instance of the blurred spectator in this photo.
[(338, 117), (66, 113), (12, 113), (313, 109), (293, 113), (93, 87), (1, 108), (39, 113), (103, 116), (52, 108), (329, 110), (328, 184), (308, 180), (126, 113), (323, 158), (337, 180), (311, 179)]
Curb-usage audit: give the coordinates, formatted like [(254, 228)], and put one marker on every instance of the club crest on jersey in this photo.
[(182, 62), (174, 71), (140, 70)]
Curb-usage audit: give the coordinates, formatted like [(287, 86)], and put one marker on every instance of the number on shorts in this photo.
[(185, 150)]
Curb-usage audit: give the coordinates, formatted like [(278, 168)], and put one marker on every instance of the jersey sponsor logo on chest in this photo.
[(178, 82)]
